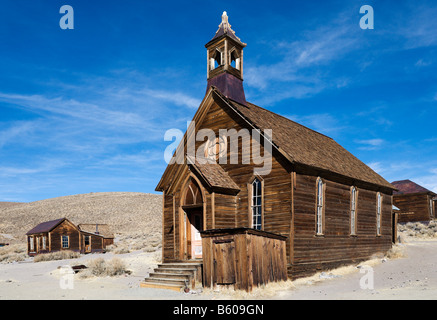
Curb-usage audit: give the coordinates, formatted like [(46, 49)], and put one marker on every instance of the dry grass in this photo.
[(104, 268), (13, 253), (418, 231), (60, 255)]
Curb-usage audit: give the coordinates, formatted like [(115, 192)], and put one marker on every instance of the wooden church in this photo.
[(315, 207)]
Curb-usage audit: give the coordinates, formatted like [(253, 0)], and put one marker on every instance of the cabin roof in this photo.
[(46, 226), (409, 187), (96, 229)]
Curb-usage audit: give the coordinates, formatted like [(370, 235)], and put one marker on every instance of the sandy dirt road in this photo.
[(412, 277)]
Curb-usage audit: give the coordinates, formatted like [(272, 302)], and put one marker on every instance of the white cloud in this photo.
[(371, 144)]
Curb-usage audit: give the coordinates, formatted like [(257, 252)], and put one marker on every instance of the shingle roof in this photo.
[(45, 226), (102, 229), (214, 175), (308, 147), (409, 187)]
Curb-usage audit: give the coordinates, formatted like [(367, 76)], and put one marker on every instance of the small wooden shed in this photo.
[(415, 202), (243, 258)]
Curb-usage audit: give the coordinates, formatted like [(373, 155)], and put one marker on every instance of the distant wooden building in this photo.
[(327, 206), (95, 237), (415, 202), (63, 235)]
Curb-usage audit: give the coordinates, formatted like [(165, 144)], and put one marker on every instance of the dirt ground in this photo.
[(411, 277)]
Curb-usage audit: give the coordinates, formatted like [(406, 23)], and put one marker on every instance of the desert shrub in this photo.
[(397, 251), (104, 268), (59, 255)]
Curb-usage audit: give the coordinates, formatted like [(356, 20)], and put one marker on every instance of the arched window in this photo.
[(354, 201), (216, 59), (193, 195), (235, 59), (378, 213), (256, 204), (320, 206)]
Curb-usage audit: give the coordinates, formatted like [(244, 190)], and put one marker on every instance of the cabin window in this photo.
[(44, 243), (378, 213), (354, 199), (87, 240), (31, 244), (256, 206), (65, 243), (431, 213), (320, 206)]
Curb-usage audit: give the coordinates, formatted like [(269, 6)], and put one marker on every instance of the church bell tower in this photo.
[(225, 62)]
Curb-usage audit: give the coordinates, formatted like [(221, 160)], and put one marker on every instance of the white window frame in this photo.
[(354, 206), (31, 244), (256, 205), (44, 244), (320, 206), (63, 242), (378, 213)]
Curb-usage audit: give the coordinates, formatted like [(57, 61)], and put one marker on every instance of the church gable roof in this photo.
[(308, 147)]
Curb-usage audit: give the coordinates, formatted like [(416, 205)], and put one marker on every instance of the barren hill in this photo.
[(126, 212)]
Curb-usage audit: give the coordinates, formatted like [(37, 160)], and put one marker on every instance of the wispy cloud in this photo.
[(324, 123), (299, 58), (371, 144)]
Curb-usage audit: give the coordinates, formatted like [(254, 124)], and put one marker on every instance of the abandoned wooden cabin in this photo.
[(63, 235), (415, 202), (315, 206), (52, 236)]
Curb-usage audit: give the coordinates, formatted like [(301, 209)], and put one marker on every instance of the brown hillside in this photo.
[(126, 212)]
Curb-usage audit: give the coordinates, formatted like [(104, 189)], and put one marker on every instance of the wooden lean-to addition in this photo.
[(325, 206)]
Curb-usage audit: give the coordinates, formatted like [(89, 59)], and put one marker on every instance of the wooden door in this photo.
[(196, 225), (87, 244), (224, 261)]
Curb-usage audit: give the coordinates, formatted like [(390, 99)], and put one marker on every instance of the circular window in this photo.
[(216, 148)]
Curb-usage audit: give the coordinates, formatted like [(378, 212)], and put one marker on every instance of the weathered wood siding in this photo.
[(243, 258), (168, 229), (413, 207), (336, 246), (277, 185), (65, 229)]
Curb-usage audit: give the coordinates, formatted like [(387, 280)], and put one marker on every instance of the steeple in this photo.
[(225, 62)]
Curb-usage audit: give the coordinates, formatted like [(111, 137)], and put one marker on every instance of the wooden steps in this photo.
[(174, 276)]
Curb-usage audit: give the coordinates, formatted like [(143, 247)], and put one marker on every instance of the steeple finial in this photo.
[(225, 18)]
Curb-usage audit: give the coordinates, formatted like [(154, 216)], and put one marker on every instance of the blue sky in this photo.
[(86, 110)]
